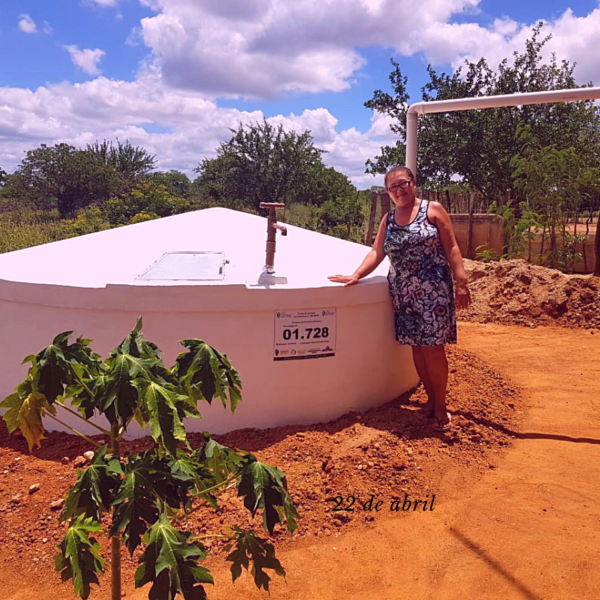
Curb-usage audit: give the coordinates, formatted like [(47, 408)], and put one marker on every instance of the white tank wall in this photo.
[(89, 284), (369, 367)]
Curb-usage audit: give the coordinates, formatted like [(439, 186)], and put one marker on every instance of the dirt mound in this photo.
[(515, 292), (389, 452)]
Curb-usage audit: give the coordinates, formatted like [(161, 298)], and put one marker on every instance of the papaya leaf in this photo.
[(264, 487), (221, 460), (205, 373), (146, 488), (93, 492), (53, 371), (115, 389), (25, 413), (135, 345), (79, 557), (163, 409), (192, 476), (170, 563), (249, 548)]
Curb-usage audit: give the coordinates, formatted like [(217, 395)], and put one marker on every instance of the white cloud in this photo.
[(572, 39), (27, 24), (265, 47), (104, 3), (193, 126), (203, 50), (87, 60)]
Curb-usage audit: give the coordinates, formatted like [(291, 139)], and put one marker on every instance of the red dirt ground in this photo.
[(514, 292), (516, 481), (390, 451)]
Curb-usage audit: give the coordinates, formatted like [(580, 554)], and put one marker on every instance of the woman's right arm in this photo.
[(371, 262)]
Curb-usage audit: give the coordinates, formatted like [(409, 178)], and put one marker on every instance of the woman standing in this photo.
[(419, 240)]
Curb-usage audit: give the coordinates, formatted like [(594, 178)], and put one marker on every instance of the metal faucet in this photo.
[(272, 227)]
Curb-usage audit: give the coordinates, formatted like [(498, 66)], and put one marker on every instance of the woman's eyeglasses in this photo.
[(401, 185)]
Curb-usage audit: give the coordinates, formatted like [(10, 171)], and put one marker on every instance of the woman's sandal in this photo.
[(442, 425)]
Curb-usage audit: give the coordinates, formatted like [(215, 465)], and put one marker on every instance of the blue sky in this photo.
[(173, 76)]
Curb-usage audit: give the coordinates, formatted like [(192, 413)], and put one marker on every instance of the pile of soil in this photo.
[(390, 453), (515, 292)]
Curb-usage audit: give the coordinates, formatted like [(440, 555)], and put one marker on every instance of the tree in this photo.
[(150, 198), (342, 217), (60, 171), (176, 182), (260, 163), (124, 164), (478, 145), (327, 184), (142, 496)]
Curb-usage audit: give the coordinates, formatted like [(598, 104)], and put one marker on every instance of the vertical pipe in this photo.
[(271, 234), (411, 141)]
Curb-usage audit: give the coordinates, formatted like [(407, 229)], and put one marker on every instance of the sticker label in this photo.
[(303, 334)]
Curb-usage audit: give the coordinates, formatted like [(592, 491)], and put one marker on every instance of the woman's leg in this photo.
[(421, 367), (436, 365)]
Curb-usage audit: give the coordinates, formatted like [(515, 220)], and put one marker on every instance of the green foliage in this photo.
[(146, 494), (260, 163), (265, 488), (170, 563), (125, 166), (24, 229), (176, 182), (478, 145), (328, 185), (554, 181), (60, 172), (146, 490), (567, 254), (89, 220), (79, 557), (149, 198), (520, 225), (206, 373), (342, 217), (92, 493), (77, 178), (249, 548), (486, 254)]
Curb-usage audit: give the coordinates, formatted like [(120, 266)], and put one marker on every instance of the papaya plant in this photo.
[(141, 497)]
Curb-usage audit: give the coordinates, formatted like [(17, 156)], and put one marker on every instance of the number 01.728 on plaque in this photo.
[(304, 334)]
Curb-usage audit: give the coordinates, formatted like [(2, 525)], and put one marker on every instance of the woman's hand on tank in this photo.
[(345, 279), (463, 295)]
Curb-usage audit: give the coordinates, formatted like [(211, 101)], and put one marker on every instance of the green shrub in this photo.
[(143, 216), (24, 229), (149, 198), (89, 220)]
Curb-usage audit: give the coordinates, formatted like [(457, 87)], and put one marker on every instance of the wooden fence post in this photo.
[(385, 202), (597, 248), (448, 201), (470, 252), (371, 223)]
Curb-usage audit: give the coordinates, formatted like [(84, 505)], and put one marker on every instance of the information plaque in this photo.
[(303, 334)]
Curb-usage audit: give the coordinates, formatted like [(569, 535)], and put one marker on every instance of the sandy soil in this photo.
[(516, 513), (515, 292)]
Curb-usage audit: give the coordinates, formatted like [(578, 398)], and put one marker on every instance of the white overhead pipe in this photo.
[(424, 108)]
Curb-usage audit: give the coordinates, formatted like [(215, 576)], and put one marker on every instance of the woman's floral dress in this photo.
[(420, 282)]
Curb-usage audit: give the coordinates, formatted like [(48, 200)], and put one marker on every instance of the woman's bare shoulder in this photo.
[(435, 211)]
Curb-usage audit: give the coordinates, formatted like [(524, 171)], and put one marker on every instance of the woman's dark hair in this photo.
[(399, 168)]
